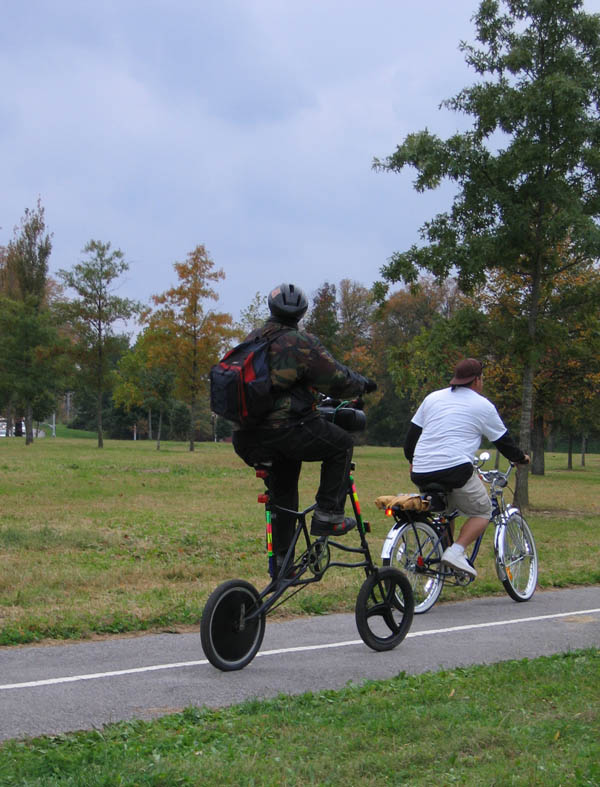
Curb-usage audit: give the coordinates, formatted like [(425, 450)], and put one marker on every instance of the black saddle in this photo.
[(437, 494)]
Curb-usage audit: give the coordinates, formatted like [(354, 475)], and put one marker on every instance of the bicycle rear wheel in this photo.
[(384, 609), (516, 558), (417, 552), (229, 639)]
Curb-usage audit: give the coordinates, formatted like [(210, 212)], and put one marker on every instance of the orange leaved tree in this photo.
[(197, 335)]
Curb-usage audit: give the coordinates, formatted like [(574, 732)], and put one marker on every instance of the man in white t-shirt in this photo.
[(444, 435)]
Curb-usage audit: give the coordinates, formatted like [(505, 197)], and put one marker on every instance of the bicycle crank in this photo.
[(319, 556)]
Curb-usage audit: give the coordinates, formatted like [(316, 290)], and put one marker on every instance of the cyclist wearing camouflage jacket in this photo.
[(293, 431)]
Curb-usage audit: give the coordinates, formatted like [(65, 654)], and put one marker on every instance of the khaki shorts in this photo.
[(471, 499)]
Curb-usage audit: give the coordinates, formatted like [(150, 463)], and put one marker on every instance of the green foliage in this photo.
[(527, 173), (254, 315), (322, 320), (28, 255), (93, 314)]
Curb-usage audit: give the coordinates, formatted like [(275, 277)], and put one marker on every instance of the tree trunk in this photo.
[(150, 424), (521, 498), (10, 420), (537, 446), (551, 438), (192, 421), (194, 388), (99, 382), (28, 424), (570, 453), (583, 448), (160, 413), (99, 420)]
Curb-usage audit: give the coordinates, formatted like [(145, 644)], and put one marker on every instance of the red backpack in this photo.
[(240, 384)]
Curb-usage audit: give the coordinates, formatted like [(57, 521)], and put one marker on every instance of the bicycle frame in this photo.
[(316, 556), (232, 626), (441, 523)]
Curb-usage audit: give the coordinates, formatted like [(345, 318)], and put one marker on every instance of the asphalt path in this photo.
[(66, 687)]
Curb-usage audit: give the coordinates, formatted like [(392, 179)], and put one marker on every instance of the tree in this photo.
[(198, 337), (30, 337), (355, 311), (28, 255), (322, 319), (31, 361), (254, 315), (94, 313), (527, 173), (146, 377)]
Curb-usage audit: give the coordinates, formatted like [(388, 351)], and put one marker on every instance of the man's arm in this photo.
[(510, 450), (410, 441)]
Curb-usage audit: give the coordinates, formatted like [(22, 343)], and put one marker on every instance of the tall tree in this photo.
[(28, 255), (355, 310), (198, 336), (24, 282), (527, 173), (322, 320), (94, 312)]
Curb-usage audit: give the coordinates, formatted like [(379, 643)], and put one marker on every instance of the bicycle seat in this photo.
[(437, 495)]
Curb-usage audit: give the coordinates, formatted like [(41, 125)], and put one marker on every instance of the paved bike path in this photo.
[(67, 687)]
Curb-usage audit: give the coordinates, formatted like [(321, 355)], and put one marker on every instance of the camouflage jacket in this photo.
[(301, 368)]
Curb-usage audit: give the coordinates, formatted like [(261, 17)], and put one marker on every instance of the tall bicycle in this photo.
[(417, 539), (233, 621)]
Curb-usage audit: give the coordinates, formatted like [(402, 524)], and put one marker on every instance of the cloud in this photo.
[(248, 126)]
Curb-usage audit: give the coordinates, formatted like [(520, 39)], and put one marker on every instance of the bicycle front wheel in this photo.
[(230, 636), (384, 609), (417, 552), (516, 558)]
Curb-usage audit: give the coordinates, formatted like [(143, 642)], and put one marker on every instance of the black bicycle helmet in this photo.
[(288, 303)]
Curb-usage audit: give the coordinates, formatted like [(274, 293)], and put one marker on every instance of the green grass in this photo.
[(515, 723), (129, 538), (77, 434)]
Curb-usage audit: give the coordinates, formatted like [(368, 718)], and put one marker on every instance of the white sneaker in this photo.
[(454, 556)]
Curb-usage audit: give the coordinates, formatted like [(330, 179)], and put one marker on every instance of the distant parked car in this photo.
[(3, 427)]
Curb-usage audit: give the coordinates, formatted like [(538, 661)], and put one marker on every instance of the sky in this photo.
[(247, 126)]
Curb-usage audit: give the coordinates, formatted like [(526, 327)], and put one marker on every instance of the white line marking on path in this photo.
[(179, 665)]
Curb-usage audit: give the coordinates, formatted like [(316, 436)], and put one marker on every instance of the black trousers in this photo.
[(313, 440)]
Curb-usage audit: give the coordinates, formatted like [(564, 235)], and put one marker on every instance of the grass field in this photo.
[(129, 538)]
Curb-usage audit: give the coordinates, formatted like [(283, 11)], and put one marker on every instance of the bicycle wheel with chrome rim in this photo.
[(384, 609), (230, 634), (417, 552), (516, 558)]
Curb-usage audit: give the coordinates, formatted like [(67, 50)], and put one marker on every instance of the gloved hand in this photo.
[(370, 385)]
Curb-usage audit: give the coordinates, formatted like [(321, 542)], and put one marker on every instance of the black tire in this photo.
[(417, 552), (384, 609), (517, 558), (229, 640)]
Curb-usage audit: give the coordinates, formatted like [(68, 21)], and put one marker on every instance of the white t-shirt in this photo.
[(453, 423)]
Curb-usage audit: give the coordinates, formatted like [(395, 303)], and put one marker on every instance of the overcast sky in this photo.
[(249, 126)]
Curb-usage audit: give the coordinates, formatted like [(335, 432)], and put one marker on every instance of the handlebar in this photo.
[(496, 478), (347, 414)]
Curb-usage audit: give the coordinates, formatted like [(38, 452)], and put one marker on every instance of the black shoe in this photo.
[(320, 528)]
